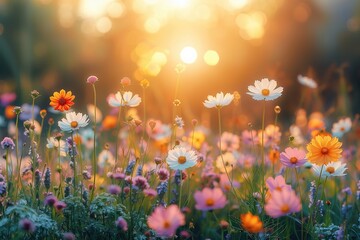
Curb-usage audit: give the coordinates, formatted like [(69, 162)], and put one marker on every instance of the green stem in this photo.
[(221, 156), (73, 160), (180, 194), (302, 209), (94, 146)]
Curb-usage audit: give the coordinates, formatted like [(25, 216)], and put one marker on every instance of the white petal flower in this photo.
[(180, 158), (53, 143), (125, 99), (219, 100), (341, 127), (73, 121), (306, 81), (333, 169), (229, 161), (265, 90)]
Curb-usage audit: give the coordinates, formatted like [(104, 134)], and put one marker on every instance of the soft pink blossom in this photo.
[(282, 203), (92, 79), (278, 183), (293, 157), (249, 137), (229, 142), (210, 199), (225, 184), (165, 221)]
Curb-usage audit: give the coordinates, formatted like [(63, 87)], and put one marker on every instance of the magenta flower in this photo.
[(59, 206), (27, 225), (121, 224), (210, 199), (50, 200), (114, 189), (165, 221), (92, 79), (293, 157), (150, 192), (278, 184), (282, 203)]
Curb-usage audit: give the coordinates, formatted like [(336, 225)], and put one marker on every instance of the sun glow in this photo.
[(188, 55)]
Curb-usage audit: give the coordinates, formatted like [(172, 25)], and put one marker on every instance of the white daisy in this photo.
[(229, 161), (179, 158), (219, 100), (53, 143), (333, 169), (265, 90), (73, 121), (306, 81), (341, 127), (125, 99)]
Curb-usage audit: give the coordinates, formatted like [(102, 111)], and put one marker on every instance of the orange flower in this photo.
[(251, 223), (62, 101), (109, 122), (323, 150), (9, 112), (274, 156)]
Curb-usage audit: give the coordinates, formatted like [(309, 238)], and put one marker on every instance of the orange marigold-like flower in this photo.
[(251, 223), (62, 101), (323, 150)]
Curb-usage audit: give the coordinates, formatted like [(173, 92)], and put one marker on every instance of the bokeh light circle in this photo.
[(211, 57)]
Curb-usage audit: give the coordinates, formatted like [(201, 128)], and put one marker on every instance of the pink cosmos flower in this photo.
[(272, 135), (249, 137), (165, 221), (229, 142), (282, 203), (210, 199), (293, 157), (278, 184), (225, 183)]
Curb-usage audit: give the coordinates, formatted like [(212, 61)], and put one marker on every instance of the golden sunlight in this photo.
[(188, 55)]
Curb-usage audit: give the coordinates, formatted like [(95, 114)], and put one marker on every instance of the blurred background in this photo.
[(225, 44)]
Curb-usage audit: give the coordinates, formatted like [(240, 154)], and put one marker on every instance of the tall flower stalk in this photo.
[(91, 80)]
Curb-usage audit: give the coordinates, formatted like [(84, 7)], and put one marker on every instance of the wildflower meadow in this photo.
[(71, 174)]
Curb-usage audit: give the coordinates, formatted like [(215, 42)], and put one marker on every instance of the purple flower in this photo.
[(121, 224), (347, 191), (59, 206), (27, 225), (114, 189), (50, 200), (140, 182), (7, 143), (27, 111)]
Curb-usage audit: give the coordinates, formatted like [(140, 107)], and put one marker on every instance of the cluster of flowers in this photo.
[(130, 177)]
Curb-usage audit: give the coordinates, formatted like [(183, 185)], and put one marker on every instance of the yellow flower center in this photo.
[(74, 124), (181, 160), (166, 224), (278, 189), (324, 150), (293, 160), (330, 170), (210, 202), (265, 92), (342, 129), (285, 208)]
